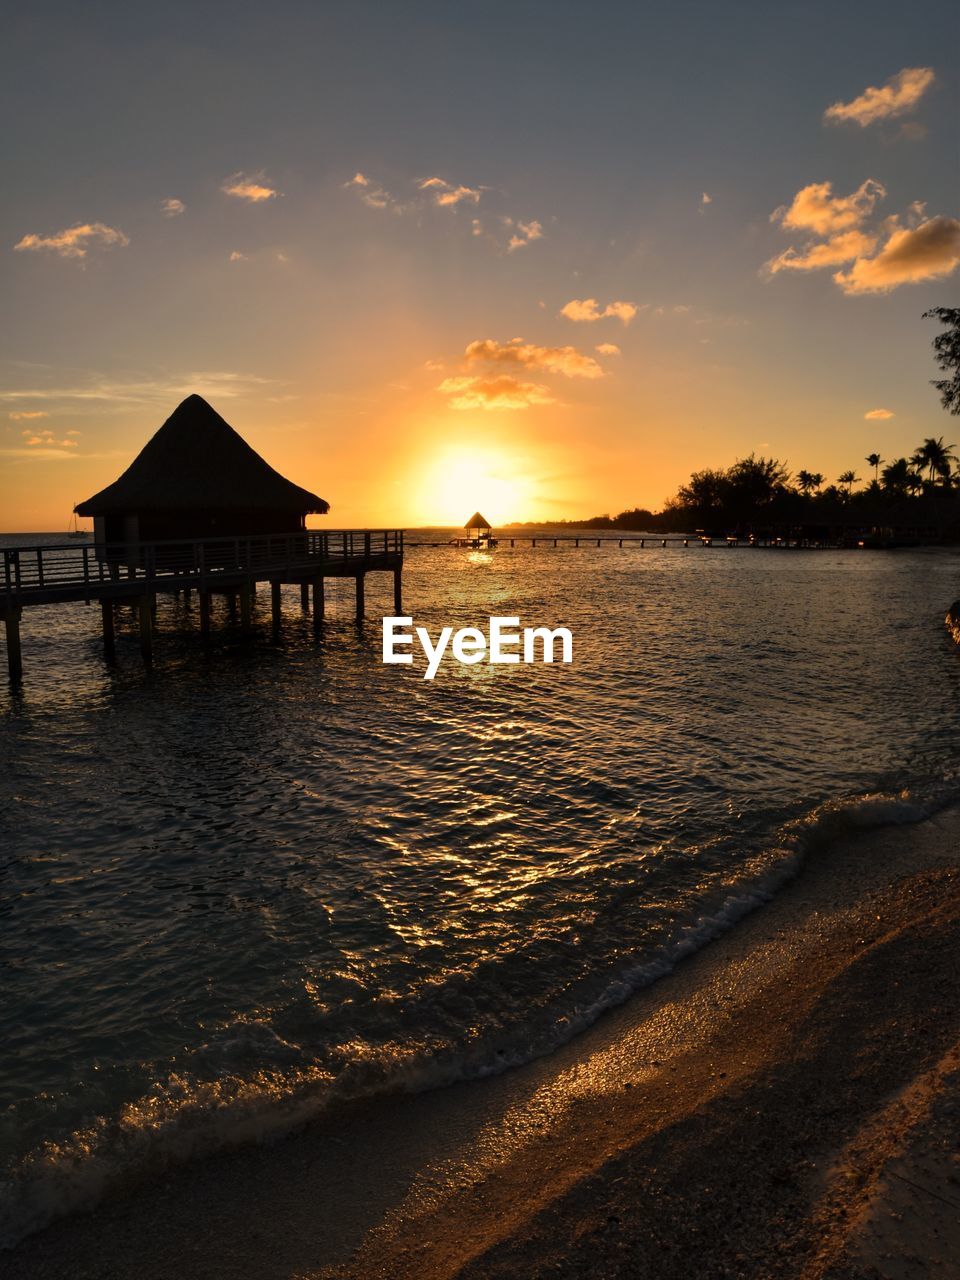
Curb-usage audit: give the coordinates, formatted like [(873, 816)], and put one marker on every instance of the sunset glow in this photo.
[(468, 478)]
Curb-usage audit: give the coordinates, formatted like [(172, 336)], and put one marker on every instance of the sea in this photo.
[(267, 876)]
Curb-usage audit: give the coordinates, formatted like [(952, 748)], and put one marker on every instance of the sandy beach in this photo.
[(784, 1104)]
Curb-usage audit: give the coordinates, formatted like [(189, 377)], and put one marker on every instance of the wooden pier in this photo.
[(137, 572)]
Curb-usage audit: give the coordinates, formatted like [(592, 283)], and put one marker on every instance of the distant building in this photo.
[(197, 478)]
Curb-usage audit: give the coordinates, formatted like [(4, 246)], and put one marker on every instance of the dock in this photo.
[(137, 572)]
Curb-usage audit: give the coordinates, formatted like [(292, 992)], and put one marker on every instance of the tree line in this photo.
[(921, 491)]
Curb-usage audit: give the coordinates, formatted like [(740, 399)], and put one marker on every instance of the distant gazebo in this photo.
[(197, 478), (477, 527)]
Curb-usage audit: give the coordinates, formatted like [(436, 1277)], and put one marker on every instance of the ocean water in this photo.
[(262, 878)]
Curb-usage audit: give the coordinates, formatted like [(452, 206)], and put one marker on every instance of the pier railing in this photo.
[(91, 568)]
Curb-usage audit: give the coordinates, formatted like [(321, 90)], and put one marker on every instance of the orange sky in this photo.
[(418, 288)]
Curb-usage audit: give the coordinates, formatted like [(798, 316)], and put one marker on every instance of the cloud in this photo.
[(842, 247), (39, 454), (28, 415), (878, 415), (372, 195), (171, 207), (47, 440), (567, 361), (494, 391), (608, 349), (522, 233), (705, 200), (588, 310), (255, 188), (815, 208), (506, 233), (910, 254), (237, 256), (900, 94), (157, 393), (448, 196), (73, 242)]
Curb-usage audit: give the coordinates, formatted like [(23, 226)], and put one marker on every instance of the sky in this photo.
[(541, 258)]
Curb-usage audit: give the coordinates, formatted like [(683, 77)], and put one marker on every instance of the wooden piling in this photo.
[(146, 628), (305, 596), (246, 611), (11, 621), (275, 601), (109, 630), (397, 593), (359, 597), (319, 603), (204, 614)]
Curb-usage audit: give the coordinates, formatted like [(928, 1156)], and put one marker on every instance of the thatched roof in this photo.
[(476, 521), (197, 462)]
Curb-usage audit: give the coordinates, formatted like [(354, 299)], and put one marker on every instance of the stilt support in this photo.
[(397, 593), (204, 613), (275, 604), (246, 609), (146, 628), (109, 631), (305, 596), (11, 621), (318, 601), (359, 597)]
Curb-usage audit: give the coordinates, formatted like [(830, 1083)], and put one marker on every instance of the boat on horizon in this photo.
[(75, 531)]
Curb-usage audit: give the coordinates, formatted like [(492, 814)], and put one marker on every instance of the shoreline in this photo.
[(683, 1134)]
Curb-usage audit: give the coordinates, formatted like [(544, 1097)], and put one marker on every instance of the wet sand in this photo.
[(787, 1103)]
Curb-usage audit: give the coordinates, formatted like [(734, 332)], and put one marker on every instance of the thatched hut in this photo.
[(197, 478), (477, 527)]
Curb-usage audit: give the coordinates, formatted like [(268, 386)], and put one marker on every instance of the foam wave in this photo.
[(186, 1119)]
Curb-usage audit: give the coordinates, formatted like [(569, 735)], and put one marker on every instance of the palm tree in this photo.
[(874, 460), (935, 457), (804, 482), (896, 476), (848, 479), (816, 481)]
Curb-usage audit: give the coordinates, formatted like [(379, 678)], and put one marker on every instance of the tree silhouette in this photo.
[(896, 476), (849, 480), (805, 482), (874, 460), (934, 457), (946, 352)]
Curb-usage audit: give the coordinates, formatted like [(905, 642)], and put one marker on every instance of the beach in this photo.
[(783, 1104)]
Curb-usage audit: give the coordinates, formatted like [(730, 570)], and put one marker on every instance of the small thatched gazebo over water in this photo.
[(197, 478), (477, 527)]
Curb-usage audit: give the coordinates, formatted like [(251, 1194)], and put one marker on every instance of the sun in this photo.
[(468, 478)]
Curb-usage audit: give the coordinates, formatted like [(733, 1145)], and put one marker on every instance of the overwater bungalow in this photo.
[(198, 478), (479, 534), (196, 510)]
